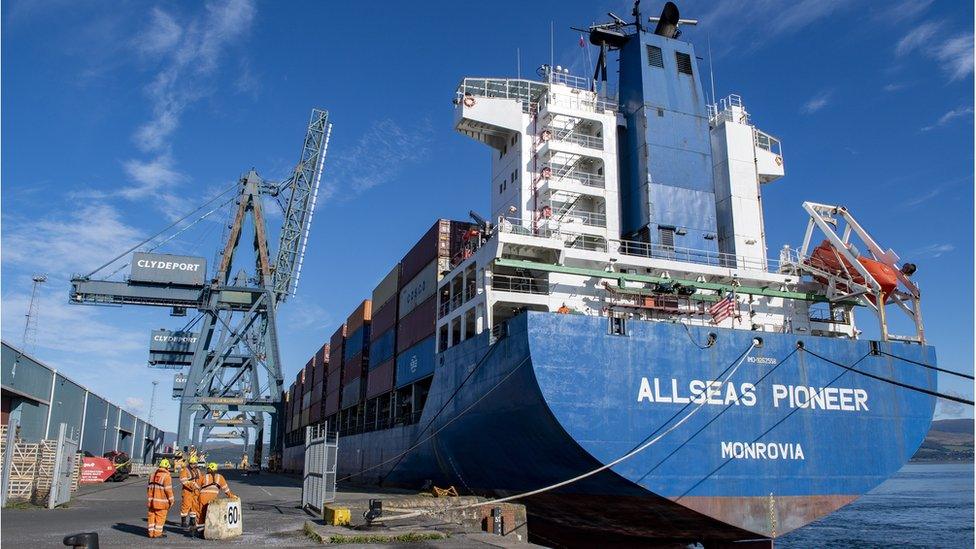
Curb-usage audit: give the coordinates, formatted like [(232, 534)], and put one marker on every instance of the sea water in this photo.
[(924, 505)]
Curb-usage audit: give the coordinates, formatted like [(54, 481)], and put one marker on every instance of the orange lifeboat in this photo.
[(824, 258)]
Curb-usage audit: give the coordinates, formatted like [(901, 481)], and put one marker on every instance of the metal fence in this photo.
[(319, 480), (64, 464)]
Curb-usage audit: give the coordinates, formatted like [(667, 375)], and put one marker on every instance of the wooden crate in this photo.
[(47, 455), (76, 473)]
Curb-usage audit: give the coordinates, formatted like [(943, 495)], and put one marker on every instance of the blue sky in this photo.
[(120, 116)]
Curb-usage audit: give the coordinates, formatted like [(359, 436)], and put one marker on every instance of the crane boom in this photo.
[(302, 191)]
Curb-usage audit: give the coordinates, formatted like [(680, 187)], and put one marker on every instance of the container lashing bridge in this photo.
[(231, 349)]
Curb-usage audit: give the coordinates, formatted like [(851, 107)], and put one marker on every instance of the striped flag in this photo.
[(723, 309)]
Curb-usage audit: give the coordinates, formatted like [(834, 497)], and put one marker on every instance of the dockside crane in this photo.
[(230, 348)]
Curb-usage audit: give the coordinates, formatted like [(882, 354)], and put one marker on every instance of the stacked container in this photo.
[(356, 354), (318, 375), (333, 377), (382, 345), (307, 383), (421, 269)]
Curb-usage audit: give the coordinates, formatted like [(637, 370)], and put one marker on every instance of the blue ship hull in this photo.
[(558, 396)]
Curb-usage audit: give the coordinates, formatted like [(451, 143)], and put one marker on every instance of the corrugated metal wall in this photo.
[(93, 434), (69, 406), (103, 427)]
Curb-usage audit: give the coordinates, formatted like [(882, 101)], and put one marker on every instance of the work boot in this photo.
[(182, 522), (192, 525)]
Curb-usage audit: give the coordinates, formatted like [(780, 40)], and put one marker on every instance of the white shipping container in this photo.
[(423, 286)]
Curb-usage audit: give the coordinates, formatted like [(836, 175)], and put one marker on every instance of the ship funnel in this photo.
[(667, 24)]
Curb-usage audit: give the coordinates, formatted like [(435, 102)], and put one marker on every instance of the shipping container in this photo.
[(304, 421), (351, 394), (315, 413), (321, 359), (333, 381), (387, 288), (418, 325), (383, 319), (356, 342), (362, 315), (422, 286), (415, 363), (380, 379), (317, 393), (355, 368), (336, 347), (331, 403), (383, 348), (308, 379), (444, 239)]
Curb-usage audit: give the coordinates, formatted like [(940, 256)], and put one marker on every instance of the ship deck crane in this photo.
[(234, 375)]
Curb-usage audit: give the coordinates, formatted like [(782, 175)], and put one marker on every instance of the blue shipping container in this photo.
[(355, 342), (383, 348), (415, 363)]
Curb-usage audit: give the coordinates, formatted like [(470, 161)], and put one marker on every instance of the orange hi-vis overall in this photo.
[(190, 483), (159, 496), (210, 487)]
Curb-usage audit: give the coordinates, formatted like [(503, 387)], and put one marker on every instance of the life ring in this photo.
[(779, 160), (468, 100), (546, 173), (546, 135)]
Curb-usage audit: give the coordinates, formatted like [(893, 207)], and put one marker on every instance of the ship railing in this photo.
[(443, 309), (583, 140), (526, 92), (579, 101), (551, 229), (585, 217), (562, 171), (520, 284), (691, 255)]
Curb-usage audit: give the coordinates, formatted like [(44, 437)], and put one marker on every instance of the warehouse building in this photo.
[(39, 399)]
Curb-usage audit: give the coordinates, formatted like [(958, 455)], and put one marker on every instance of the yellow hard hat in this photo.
[(193, 460), (164, 463), (211, 466)]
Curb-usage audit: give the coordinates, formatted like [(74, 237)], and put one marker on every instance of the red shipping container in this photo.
[(336, 348), (360, 316), (331, 403), (309, 375), (317, 394), (380, 379), (420, 324), (321, 359), (443, 239), (383, 320), (315, 413), (333, 381), (353, 369)]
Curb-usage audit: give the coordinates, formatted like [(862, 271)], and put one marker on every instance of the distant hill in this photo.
[(948, 440)]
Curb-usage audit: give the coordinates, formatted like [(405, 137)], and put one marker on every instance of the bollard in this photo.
[(87, 540)]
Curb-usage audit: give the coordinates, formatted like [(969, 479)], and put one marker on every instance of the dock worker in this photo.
[(211, 485), (190, 478), (244, 463), (193, 451), (159, 497)]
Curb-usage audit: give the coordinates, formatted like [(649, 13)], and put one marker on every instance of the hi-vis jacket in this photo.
[(159, 493)]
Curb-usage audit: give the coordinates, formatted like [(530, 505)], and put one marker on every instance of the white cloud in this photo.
[(161, 34), (134, 405), (780, 18), (954, 53), (900, 12), (893, 87), (961, 112), (190, 56), (376, 158), (149, 176), (933, 250), (948, 409), (816, 102), (67, 242)]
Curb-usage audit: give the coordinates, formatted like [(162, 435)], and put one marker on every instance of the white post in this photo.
[(84, 413), (50, 403)]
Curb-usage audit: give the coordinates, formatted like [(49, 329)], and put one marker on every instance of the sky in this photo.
[(119, 117)]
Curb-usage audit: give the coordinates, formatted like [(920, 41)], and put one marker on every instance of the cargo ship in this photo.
[(616, 319)]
